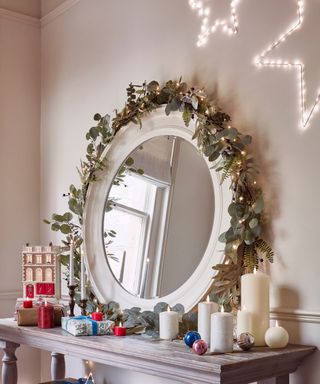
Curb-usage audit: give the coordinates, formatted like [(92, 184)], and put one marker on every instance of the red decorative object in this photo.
[(97, 316), (30, 291), (45, 316), (45, 289), (120, 330), (27, 303)]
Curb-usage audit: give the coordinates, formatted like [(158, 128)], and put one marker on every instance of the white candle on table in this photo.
[(221, 332), (83, 277), (255, 298), (205, 309), (71, 265), (276, 337), (244, 322), (168, 325)]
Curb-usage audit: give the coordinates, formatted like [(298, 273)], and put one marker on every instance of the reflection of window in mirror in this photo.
[(136, 204)]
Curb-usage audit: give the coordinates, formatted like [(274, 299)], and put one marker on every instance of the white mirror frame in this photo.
[(104, 285)]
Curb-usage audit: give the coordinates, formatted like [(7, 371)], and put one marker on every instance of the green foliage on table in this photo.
[(224, 146)]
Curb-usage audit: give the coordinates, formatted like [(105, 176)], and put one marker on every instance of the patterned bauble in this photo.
[(245, 341), (190, 337), (200, 347)]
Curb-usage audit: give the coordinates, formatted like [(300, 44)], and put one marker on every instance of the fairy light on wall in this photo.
[(262, 61), (228, 26)]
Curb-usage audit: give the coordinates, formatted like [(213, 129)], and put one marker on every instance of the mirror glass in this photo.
[(158, 217)]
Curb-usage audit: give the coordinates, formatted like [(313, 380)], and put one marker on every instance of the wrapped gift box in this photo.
[(85, 326), (29, 316)]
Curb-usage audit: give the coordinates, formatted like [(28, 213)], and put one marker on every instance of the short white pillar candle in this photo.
[(255, 299), (205, 309), (168, 325), (221, 332), (277, 337), (244, 322)]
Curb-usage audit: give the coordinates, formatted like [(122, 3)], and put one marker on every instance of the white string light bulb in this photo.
[(230, 27), (262, 61)]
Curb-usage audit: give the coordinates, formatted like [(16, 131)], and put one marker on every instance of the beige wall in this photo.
[(88, 58), (19, 160), (92, 52)]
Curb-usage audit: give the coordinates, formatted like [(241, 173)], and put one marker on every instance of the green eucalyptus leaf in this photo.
[(65, 229), (97, 117), (153, 86), (129, 162), (57, 217), (247, 139), (55, 227), (258, 205), (253, 222)]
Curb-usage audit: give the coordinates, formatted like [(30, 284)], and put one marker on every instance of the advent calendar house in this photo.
[(40, 271)]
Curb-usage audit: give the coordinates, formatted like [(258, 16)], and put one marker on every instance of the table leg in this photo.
[(9, 362), (57, 366), (276, 380)]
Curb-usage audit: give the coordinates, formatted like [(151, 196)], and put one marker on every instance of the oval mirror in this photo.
[(154, 235), (158, 217)]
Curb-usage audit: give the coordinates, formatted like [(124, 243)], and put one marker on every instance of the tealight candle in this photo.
[(221, 332), (277, 337), (120, 330), (27, 303), (97, 315), (168, 324), (205, 309)]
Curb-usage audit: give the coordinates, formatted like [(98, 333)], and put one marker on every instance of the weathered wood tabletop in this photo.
[(167, 359)]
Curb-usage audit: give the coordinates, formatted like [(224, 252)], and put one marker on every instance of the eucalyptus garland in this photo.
[(218, 140)]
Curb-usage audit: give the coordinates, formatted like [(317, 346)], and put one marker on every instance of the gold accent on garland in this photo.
[(223, 145)]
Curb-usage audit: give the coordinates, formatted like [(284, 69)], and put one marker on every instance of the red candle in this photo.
[(97, 316), (27, 303), (45, 316), (120, 330)]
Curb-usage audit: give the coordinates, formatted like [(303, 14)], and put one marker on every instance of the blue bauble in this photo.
[(190, 337)]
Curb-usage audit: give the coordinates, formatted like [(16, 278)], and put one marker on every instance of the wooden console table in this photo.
[(172, 360)]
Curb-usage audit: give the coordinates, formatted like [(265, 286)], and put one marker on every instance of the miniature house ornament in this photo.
[(40, 271)]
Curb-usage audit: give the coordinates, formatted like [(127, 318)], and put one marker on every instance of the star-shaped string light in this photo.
[(229, 26), (262, 60)]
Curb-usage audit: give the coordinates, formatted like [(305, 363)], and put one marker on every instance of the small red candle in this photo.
[(120, 330), (45, 316), (27, 303), (97, 316)]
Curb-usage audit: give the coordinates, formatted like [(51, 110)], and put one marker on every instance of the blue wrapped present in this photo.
[(85, 326)]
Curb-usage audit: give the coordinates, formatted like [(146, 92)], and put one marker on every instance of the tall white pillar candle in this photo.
[(168, 325), (244, 322), (255, 299), (83, 277), (221, 332), (71, 265), (205, 309)]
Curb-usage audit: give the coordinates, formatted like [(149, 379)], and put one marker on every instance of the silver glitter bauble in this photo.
[(245, 341)]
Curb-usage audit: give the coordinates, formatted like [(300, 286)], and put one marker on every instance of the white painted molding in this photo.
[(64, 7), (10, 295), (19, 18), (297, 315)]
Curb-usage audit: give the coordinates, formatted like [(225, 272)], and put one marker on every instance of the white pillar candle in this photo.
[(277, 337), (221, 332), (168, 325), (205, 309), (83, 277), (255, 298), (244, 322), (71, 265)]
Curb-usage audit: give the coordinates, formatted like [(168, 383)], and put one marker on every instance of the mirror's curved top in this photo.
[(105, 286)]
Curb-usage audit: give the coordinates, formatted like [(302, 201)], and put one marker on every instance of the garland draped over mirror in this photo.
[(223, 145)]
